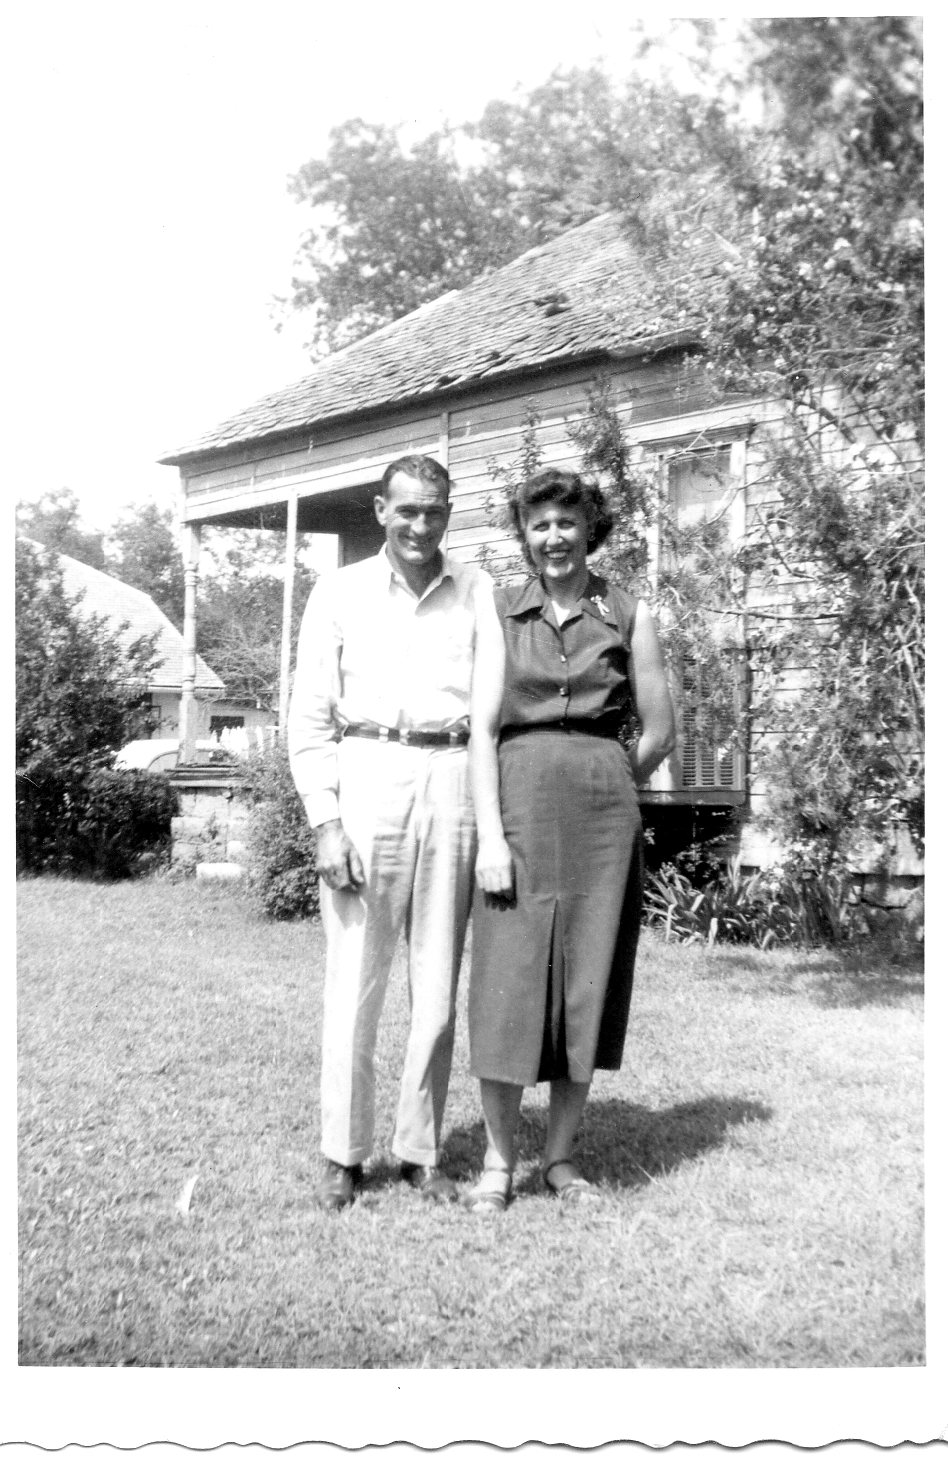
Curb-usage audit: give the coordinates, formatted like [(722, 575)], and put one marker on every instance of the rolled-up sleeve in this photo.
[(311, 727)]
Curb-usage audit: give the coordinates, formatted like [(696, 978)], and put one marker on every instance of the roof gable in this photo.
[(116, 602), (587, 293)]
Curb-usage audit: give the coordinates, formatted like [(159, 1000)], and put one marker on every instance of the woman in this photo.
[(560, 838)]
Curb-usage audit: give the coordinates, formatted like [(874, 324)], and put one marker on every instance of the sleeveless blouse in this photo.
[(574, 672)]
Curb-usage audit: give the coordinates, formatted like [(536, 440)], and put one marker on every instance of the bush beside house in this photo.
[(282, 848)]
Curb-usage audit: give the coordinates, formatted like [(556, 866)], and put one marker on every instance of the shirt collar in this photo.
[(593, 601), (390, 573)]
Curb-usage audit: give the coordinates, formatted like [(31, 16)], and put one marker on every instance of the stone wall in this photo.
[(212, 825)]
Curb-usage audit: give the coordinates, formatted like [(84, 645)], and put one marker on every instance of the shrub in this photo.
[(109, 824), (284, 881), (127, 817), (80, 694), (730, 906)]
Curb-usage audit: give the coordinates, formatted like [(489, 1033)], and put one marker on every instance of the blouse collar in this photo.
[(594, 600)]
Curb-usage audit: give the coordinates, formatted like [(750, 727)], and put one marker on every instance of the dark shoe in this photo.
[(336, 1187), (570, 1187), (430, 1182)]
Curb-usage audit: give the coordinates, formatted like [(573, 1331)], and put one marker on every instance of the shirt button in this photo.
[(563, 659), (562, 691)]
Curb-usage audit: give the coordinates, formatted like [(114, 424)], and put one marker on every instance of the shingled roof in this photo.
[(116, 602), (588, 293)]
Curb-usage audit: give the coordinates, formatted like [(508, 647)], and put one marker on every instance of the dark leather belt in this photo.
[(407, 736), (592, 727)]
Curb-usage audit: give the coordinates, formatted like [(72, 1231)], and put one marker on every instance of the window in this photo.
[(704, 486), (699, 485), (710, 759), (221, 724), (699, 490)]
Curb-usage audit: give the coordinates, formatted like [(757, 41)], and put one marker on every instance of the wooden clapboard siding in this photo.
[(326, 445), (479, 430), (318, 467)]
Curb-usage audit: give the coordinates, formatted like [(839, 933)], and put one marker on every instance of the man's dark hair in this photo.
[(560, 485), (416, 465)]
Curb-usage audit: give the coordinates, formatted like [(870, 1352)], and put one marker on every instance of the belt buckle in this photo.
[(403, 734), (383, 734)]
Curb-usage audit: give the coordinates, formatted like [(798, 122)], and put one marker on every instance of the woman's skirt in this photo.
[(551, 971)]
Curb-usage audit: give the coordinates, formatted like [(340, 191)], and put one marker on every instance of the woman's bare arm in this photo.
[(494, 868), (653, 699)]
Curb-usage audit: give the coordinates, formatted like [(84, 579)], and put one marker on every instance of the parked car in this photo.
[(161, 754)]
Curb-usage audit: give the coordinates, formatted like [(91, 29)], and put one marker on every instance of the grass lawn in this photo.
[(761, 1152)]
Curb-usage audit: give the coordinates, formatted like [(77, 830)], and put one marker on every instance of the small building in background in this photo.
[(131, 614)]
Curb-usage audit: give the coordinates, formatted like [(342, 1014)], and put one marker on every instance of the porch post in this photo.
[(187, 727), (289, 579)]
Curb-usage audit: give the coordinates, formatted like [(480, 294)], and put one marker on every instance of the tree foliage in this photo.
[(397, 225), (54, 520), (240, 612), (398, 228), (144, 551), (821, 308), (79, 697)]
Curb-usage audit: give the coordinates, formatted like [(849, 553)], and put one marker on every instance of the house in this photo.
[(455, 379), (132, 614)]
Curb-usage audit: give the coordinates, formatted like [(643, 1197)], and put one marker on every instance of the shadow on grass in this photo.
[(853, 977), (620, 1143)]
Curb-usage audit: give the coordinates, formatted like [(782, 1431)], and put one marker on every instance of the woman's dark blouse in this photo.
[(577, 672)]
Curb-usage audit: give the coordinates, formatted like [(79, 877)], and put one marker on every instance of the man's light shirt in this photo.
[(370, 651)]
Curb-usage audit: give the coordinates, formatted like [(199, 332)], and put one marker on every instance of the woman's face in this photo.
[(557, 534)]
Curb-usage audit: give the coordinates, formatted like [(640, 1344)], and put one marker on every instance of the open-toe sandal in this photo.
[(574, 1189), (491, 1194)]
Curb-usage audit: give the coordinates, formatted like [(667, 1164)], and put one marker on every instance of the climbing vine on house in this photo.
[(819, 306)]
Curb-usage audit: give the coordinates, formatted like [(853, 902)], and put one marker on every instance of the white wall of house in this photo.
[(213, 713)]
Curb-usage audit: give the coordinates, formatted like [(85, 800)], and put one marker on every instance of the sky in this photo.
[(152, 228)]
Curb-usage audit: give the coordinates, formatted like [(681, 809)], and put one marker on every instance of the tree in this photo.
[(53, 520), (79, 697), (240, 612), (820, 307), (403, 228), (143, 550), (397, 227)]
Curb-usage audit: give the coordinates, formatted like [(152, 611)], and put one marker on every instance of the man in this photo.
[(378, 729)]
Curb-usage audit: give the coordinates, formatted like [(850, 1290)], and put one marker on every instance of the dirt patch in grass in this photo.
[(760, 1154)]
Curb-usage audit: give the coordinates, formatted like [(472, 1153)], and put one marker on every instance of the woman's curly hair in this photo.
[(561, 485)]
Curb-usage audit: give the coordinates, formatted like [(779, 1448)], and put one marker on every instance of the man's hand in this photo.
[(337, 859), (494, 869)]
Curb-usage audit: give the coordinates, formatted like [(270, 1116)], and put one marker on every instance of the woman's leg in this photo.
[(567, 1101), (501, 1104)]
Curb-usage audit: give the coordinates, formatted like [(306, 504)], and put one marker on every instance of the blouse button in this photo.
[(563, 659)]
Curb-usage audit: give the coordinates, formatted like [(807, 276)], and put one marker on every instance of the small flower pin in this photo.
[(600, 605)]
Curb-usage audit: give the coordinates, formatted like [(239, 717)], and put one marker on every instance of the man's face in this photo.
[(414, 517)]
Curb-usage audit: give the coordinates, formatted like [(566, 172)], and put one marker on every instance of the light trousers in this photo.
[(408, 811)]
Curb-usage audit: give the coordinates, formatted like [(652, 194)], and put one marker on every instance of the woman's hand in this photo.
[(494, 870)]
